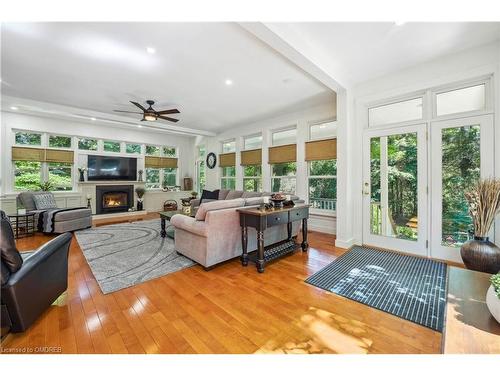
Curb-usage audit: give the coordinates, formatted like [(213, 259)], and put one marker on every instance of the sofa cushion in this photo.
[(26, 199), (217, 205), (254, 201), (251, 194), (5, 274), (223, 193), (233, 194), (9, 253), (73, 214), (44, 201), (207, 194)]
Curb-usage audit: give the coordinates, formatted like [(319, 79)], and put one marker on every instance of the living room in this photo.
[(239, 188)]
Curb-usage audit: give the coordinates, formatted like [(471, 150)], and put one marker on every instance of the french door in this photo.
[(200, 175), (461, 153), (414, 179), (394, 189)]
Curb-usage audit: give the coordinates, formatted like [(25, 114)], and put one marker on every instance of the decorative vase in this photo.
[(82, 177), (481, 255), (493, 303), (140, 176), (139, 205)]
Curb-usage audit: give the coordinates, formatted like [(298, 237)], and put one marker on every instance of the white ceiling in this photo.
[(101, 66), (354, 52)]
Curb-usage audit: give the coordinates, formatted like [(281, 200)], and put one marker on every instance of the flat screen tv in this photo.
[(111, 168)]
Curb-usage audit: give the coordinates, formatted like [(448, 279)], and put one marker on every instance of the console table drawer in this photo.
[(278, 218), (299, 214)]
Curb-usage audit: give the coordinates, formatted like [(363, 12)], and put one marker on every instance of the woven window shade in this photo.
[(321, 150), (152, 162), (251, 157), (227, 160), (28, 153), (168, 162), (59, 156), (282, 154)]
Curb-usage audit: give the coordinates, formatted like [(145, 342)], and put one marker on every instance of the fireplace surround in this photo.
[(114, 198)]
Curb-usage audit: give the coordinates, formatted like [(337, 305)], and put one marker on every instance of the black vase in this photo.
[(481, 255), (139, 206), (82, 177)]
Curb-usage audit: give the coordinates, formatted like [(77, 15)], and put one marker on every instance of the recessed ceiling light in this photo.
[(228, 82), (93, 118), (139, 126), (400, 23), (150, 50), (14, 108)]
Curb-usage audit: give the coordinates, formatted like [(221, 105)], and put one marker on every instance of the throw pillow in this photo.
[(207, 194), (44, 201), (217, 205), (233, 194)]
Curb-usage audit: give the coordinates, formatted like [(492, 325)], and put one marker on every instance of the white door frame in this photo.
[(437, 250), (418, 247)]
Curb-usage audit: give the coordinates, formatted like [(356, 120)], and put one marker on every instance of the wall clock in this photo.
[(211, 160)]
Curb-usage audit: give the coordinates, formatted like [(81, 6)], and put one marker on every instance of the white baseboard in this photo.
[(345, 244)]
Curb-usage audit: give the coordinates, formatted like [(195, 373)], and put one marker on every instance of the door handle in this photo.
[(366, 188)]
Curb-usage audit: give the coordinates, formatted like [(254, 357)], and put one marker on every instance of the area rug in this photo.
[(122, 255), (409, 287)]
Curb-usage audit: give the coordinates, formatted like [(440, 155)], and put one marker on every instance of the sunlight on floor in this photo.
[(322, 332)]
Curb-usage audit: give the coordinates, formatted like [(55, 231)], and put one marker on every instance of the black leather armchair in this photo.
[(31, 285)]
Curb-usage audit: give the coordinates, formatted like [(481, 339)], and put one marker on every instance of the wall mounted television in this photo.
[(111, 168)]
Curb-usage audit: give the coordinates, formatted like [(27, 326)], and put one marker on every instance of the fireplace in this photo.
[(114, 198)]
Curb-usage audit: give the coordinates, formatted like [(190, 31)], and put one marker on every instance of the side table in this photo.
[(23, 224)]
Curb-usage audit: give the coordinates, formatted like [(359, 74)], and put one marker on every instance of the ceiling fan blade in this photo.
[(168, 118), (138, 105), (116, 110), (167, 111)]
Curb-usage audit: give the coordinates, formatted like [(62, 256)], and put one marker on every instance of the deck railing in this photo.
[(323, 204)]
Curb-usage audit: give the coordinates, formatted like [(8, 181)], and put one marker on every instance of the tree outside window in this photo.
[(59, 141), (152, 150), (133, 148), (169, 176), (323, 184), (228, 179), (27, 175), (252, 178), (60, 175), (152, 178), (111, 146), (26, 138), (283, 177), (88, 144)]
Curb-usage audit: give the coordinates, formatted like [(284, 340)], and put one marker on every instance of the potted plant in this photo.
[(82, 170), (140, 191), (493, 297), (480, 254), (194, 194), (45, 186)]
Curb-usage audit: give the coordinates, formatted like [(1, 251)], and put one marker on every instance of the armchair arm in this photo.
[(190, 224), (42, 278)]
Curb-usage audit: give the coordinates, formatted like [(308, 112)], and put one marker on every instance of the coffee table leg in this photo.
[(163, 232), (244, 243), (260, 251)]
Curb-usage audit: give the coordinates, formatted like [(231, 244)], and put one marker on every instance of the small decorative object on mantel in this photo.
[(140, 175), (194, 194), (89, 197), (480, 254), (82, 171), (278, 200), (140, 191), (188, 183), (493, 297)]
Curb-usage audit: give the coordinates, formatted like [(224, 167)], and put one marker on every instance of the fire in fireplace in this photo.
[(114, 198)]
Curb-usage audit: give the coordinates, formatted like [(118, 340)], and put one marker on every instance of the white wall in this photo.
[(10, 121), (302, 120), (458, 67)]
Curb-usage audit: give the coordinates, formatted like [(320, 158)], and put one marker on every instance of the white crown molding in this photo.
[(44, 109)]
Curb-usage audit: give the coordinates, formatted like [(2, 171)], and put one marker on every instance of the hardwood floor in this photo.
[(229, 309)]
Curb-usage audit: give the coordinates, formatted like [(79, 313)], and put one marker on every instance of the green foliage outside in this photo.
[(284, 169), (169, 151), (228, 171), (169, 177), (132, 148), (28, 176), (152, 150), (33, 139), (152, 178), (87, 144), (201, 176), (323, 190), (495, 281), (252, 180), (111, 146), (228, 183), (59, 141)]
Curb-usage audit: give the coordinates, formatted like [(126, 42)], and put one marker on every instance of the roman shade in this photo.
[(42, 154), (282, 154), (251, 157), (321, 150), (160, 162), (227, 160)]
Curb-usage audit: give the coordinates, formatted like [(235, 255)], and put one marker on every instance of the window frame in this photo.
[(227, 178), (309, 177), (253, 178), (280, 130), (319, 123), (255, 135), (289, 177), (232, 140)]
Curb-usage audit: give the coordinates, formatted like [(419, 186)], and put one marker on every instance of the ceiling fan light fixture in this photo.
[(149, 117)]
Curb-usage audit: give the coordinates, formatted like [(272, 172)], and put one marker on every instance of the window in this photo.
[(152, 178), (228, 179), (169, 177), (323, 184), (283, 177), (169, 151), (323, 130), (253, 142), (60, 176), (461, 100), (111, 146), (132, 148), (26, 138), (27, 175), (59, 141), (201, 152), (252, 178), (284, 137), (229, 146), (152, 150), (87, 144), (407, 110)]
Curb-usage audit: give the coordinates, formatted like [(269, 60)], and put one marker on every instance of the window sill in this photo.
[(324, 213)]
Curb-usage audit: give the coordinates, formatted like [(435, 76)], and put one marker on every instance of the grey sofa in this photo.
[(225, 194), (32, 281), (63, 221)]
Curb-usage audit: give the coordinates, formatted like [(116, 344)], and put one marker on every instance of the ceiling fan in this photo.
[(149, 114)]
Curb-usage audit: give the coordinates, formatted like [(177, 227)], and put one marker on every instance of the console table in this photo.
[(261, 219)]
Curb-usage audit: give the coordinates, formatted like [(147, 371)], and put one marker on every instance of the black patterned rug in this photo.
[(409, 287)]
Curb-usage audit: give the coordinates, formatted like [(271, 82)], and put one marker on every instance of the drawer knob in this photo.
[(278, 219)]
